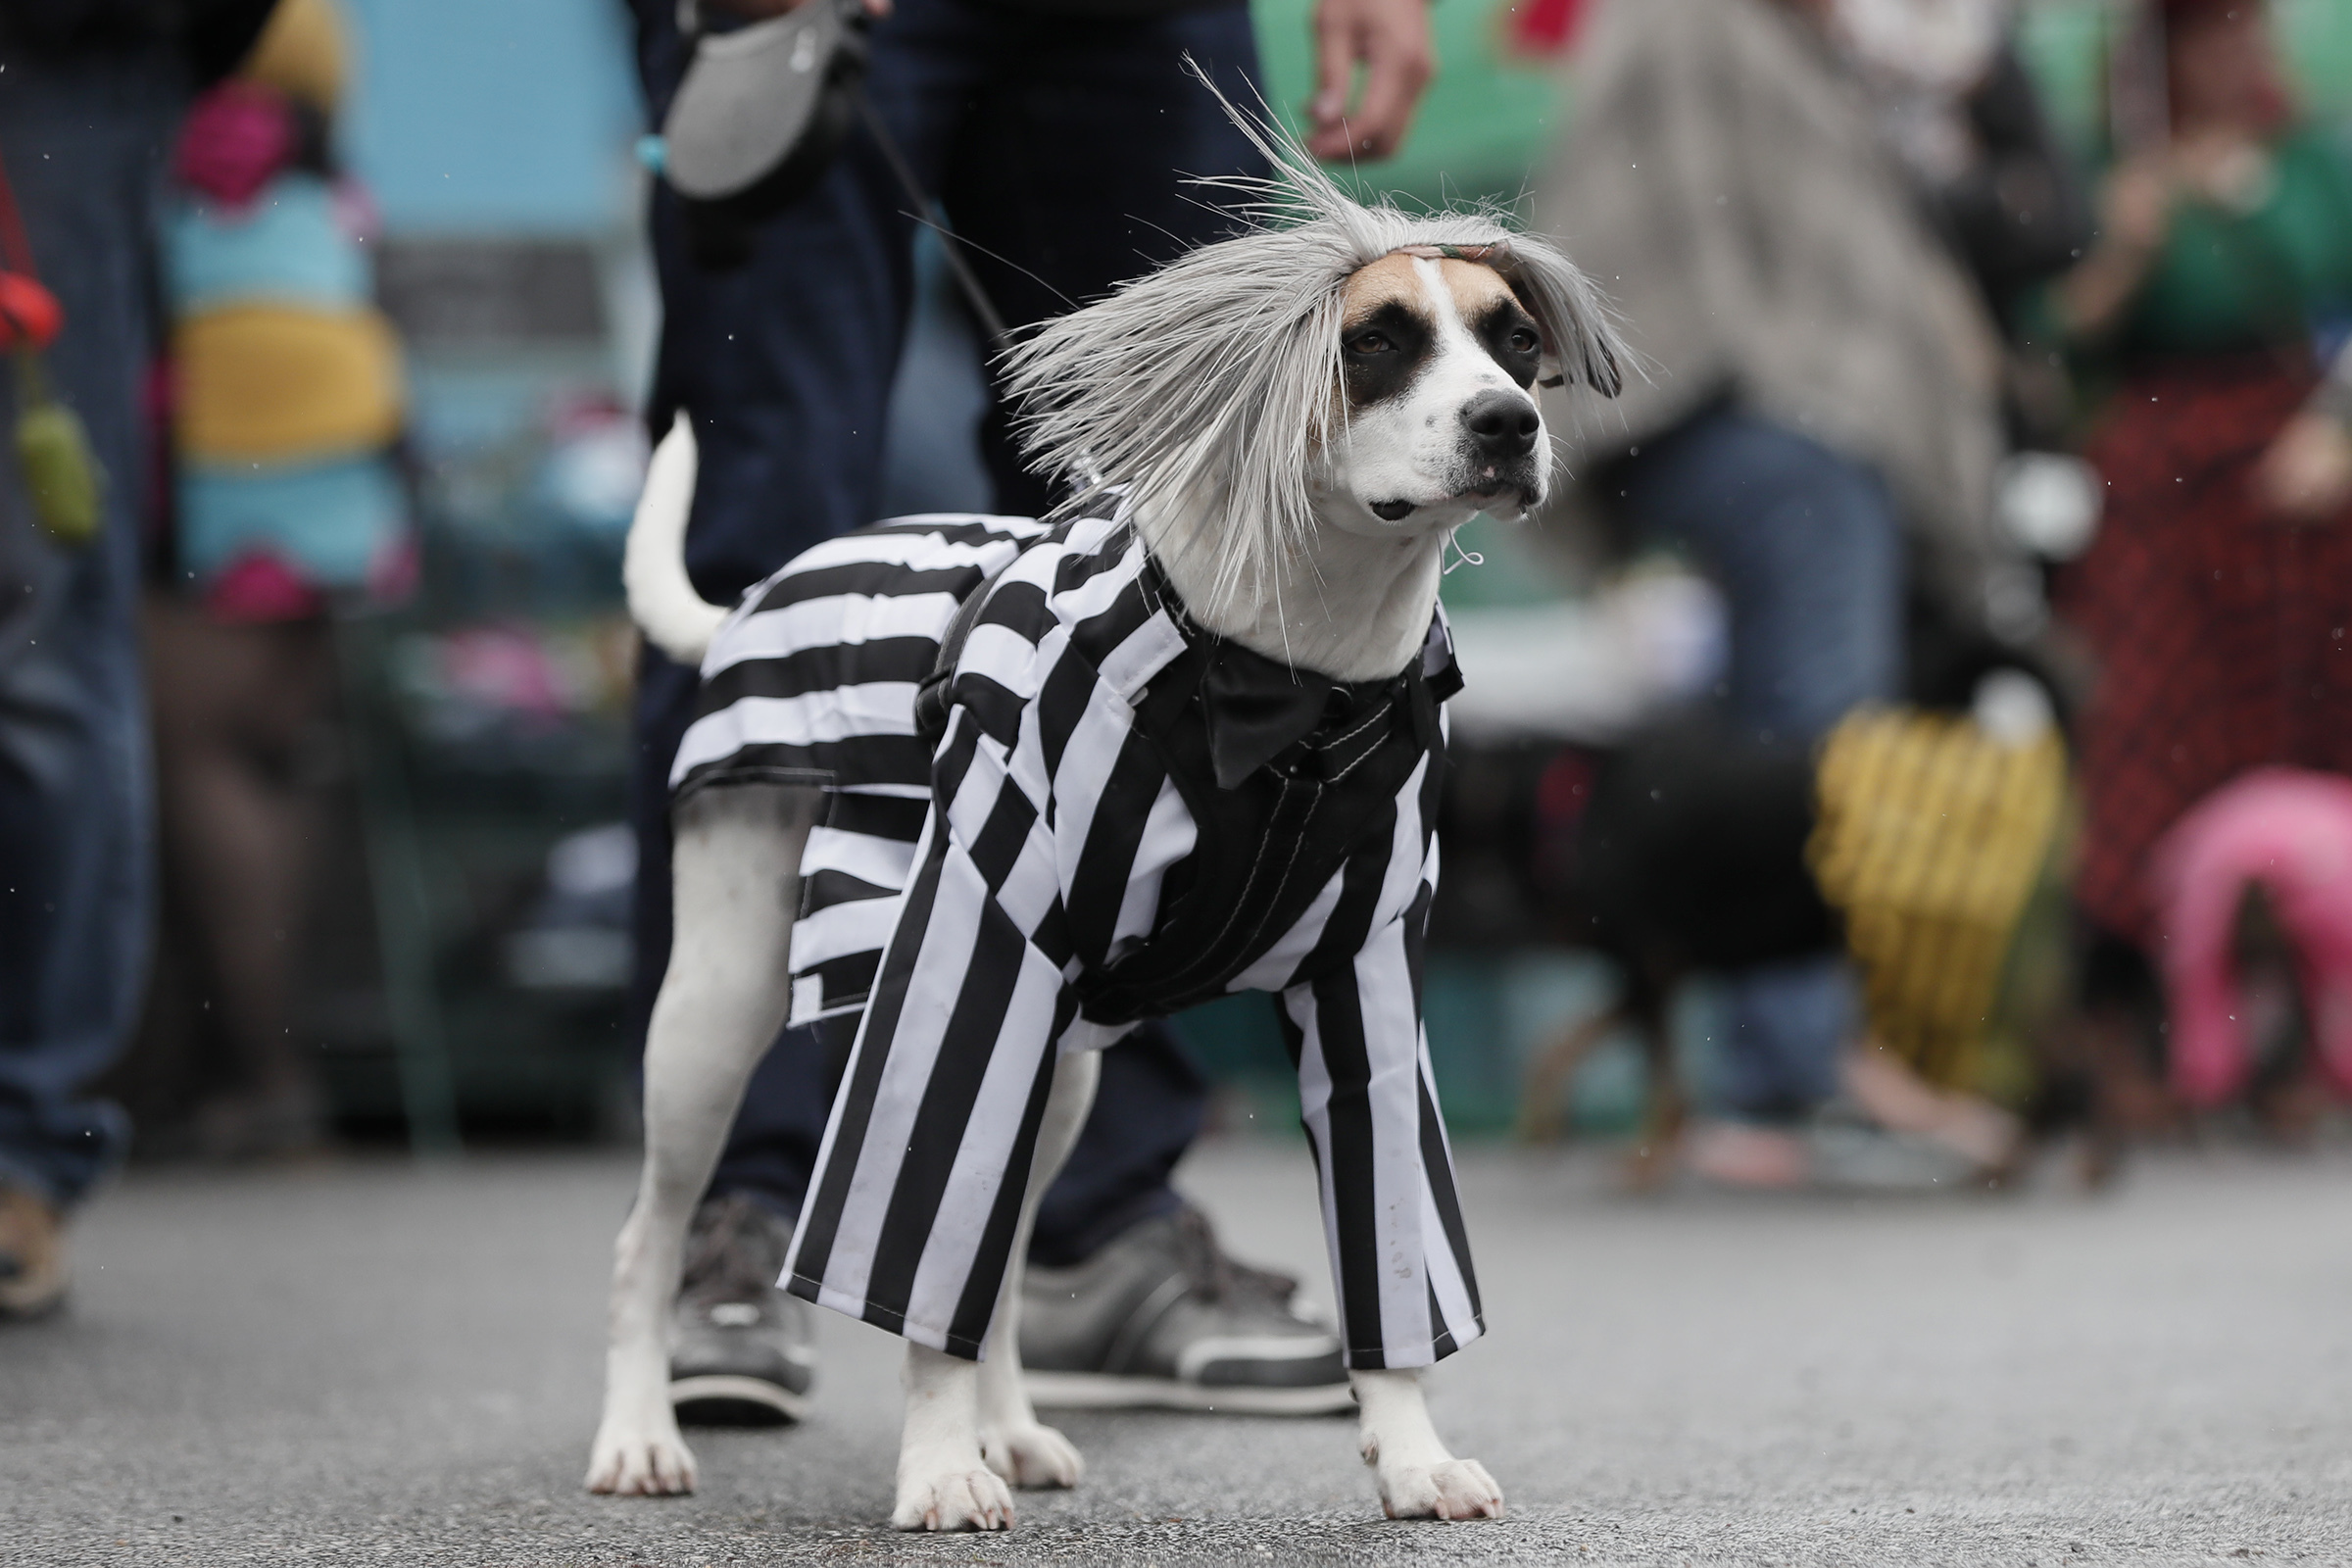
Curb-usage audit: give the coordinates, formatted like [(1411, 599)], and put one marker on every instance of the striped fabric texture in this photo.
[(812, 682), (1062, 867)]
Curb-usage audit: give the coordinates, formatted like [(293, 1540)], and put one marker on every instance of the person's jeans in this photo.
[(1808, 550), (1058, 145), (83, 145)]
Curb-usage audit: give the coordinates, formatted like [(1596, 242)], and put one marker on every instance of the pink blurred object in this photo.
[(238, 137), (503, 667), (2291, 831), (257, 586), (393, 574)]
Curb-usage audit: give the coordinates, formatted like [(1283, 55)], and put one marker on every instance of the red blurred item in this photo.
[(2179, 18), (29, 314), (236, 138), (1546, 28)]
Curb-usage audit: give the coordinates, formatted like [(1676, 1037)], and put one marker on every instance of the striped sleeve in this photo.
[(1400, 1251)]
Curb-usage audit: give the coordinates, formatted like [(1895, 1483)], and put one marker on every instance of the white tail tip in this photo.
[(653, 567)]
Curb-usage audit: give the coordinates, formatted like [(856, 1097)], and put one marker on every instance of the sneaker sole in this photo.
[(1100, 1390), (724, 1399)]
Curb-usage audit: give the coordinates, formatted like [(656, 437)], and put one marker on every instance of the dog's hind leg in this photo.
[(1419, 1477), (970, 1427), (736, 873)]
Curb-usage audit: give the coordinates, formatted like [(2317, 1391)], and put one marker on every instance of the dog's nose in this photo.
[(1502, 423)]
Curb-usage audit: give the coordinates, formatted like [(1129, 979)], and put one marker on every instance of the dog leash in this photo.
[(983, 310)]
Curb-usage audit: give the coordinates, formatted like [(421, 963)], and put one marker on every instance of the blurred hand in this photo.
[(2136, 211), (2136, 206), (1391, 39), (2221, 163), (2305, 476)]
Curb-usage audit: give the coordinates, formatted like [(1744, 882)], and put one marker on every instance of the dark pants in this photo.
[(84, 141), (1059, 146), (1808, 550)]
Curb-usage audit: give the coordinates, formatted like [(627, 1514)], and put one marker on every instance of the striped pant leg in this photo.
[(1399, 1255)]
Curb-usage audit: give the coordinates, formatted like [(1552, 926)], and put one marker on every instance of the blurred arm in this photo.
[(2306, 475), (1391, 39), (2135, 209)]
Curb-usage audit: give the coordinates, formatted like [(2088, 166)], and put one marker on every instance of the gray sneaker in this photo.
[(738, 1346), (1161, 1317)]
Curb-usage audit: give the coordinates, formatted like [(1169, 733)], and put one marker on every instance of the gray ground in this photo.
[(367, 1363)]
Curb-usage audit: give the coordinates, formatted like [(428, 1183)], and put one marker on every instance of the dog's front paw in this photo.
[(640, 1461), (1458, 1489), (952, 1499), (1031, 1455)]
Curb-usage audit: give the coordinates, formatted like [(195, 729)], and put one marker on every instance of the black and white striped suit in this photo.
[(1074, 868)]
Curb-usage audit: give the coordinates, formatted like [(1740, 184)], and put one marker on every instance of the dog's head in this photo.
[(1337, 365), (1437, 416)]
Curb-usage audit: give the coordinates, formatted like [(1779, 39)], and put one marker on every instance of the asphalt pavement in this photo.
[(366, 1363)]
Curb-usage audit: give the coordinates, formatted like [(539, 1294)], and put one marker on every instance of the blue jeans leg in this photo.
[(1808, 550), (84, 144)]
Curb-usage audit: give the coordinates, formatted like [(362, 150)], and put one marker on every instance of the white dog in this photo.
[(1186, 741)]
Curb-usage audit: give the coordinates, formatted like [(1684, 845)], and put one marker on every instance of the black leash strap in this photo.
[(984, 311)]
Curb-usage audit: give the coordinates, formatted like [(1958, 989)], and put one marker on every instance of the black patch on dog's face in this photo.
[(1512, 337), (1381, 354)]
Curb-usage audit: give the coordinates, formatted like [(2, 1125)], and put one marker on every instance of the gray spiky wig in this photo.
[(1214, 378)]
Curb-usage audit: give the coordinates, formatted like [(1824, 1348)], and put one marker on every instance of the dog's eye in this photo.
[(1523, 340), (1370, 343)]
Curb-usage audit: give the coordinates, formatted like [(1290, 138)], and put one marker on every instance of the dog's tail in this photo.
[(653, 568)]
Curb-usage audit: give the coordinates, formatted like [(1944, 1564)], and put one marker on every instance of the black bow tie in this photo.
[(1257, 709)]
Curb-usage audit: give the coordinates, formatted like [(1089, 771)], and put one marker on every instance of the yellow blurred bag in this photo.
[(271, 383), (1931, 838)]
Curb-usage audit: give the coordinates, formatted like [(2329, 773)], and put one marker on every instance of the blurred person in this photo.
[(2217, 596), (1803, 210), (284, 396), (1059, 135), (1915, 838), (91, 92)]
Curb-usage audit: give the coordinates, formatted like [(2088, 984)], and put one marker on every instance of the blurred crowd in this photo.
[(1884, 310), (1955, 697)]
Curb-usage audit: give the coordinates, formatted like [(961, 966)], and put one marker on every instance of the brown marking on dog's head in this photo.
[(1390, 324)]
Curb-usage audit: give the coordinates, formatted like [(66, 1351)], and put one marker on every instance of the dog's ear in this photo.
[(1579, 339)]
